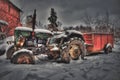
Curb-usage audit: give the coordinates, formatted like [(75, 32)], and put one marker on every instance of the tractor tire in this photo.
[(65, 57), (23, 58), (74, 49), (10, 52)]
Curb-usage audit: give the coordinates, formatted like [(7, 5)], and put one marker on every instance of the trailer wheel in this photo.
[(10, 52), (22, 58), (108, 50)]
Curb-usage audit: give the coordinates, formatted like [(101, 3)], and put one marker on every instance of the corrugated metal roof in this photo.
[(14, 5)]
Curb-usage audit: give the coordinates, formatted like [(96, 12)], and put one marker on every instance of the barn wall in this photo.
[(11, 14)]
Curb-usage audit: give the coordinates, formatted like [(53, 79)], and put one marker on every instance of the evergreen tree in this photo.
[(53, 17)]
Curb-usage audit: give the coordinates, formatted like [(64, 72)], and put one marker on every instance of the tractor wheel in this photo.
[(10, 52), (74, 49), (22, 58), (108, 50)]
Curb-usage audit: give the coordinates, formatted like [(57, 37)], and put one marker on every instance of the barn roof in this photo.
[(14, 5)]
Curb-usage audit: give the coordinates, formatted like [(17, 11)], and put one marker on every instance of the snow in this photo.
[(9, 46), (40, 45), (60, 35), (57, 32), (23, 28), (96, 67), (54, 48), (30, 29), (3, 44), (43, 31), (40, 57), (74, 31), (108, 45), (22, 50), (10, 38), (3, 22)]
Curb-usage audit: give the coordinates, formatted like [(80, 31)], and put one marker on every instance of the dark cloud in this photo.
[(68, 11)]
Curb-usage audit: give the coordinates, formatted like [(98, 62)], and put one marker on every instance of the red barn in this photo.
[(11, 14)]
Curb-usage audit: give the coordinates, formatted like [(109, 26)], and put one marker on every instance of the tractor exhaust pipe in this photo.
[(33, 23)]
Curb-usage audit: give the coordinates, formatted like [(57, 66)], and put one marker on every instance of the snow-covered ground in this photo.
[(96, 67)]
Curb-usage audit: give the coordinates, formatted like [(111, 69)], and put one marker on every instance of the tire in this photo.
[(2, 52), (23, 58), (108, 50), (65, 57), (10, 52), (74, 49)]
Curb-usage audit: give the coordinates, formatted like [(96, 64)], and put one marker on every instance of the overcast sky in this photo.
[(69, 12)]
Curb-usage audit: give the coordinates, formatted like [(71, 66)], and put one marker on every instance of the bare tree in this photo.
[(59, 23), (39, 24), (87, 19), (115, 22), (98, 19)]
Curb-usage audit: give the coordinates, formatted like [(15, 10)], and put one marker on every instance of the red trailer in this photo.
[(97, 42)]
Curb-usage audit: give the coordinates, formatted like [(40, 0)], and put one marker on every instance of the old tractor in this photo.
[(27, 44), (67, 45)]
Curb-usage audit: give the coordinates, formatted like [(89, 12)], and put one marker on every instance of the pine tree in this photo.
[(53, 17)]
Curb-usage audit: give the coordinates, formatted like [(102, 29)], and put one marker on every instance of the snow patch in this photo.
[(57, 32), (74, 31), (22, 50), (30, 29), (60, 36), (54, 49), (41, 57), (9, 46), (3, 22), (23, 28), (43, 31), (108, 45), (10, 38)]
